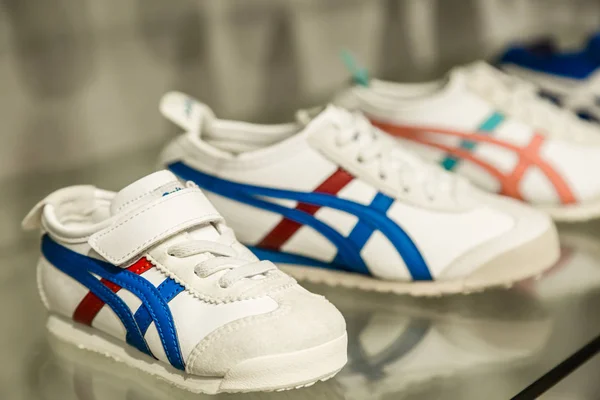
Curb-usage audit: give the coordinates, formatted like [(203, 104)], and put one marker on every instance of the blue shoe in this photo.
[(570, 79)]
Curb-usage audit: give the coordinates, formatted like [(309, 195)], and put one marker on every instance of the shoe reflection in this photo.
[(399, 343), (72, 373), (396, 344), (577, 272)]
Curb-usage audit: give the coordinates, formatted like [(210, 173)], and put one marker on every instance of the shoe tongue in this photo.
[(149, 188), (464, 71), (306, 115), (318, 121), (187, 112), (315, 118)]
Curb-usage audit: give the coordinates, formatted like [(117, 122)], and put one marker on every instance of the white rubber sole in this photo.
[(278, 372), (574, 213), (529, 260)]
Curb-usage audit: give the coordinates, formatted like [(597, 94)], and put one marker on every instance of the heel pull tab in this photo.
[(33, 219), (185, 111), (360, 76)]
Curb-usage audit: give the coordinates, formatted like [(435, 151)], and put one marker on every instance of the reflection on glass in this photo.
[(398, 344)]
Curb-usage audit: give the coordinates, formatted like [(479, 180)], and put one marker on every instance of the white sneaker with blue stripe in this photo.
[(153, 277), (332, 199)]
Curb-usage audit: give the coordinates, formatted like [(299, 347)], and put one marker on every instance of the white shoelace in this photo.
[(222, 257), (391, 158), (520, 99)]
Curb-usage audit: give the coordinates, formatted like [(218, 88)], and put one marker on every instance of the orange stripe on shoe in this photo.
[(514, 179), (528, 157), (506, 188), (532, 152)]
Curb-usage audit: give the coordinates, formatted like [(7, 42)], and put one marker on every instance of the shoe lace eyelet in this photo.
[(200, 273), (223, 285)]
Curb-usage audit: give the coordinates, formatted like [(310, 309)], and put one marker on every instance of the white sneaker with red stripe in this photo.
[(153, 277), (333, 199), (495, 130)]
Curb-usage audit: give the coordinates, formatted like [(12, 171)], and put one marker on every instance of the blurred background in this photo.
[(80, 82)]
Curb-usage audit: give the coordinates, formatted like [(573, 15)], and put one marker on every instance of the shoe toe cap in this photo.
[(301, 321), (527, 248)]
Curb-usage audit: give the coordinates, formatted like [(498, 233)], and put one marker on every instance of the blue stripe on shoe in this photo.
[(168, 289), (81, 268), (363, 231), (348, 254)]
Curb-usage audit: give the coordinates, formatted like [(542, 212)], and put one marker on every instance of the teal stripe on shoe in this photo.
[(450, 162)]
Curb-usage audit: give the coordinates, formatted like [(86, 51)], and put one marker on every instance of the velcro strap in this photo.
[(143, 227)]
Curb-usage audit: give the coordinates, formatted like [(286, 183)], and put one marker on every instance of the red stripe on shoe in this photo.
[(286, 228), (91, 305)]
